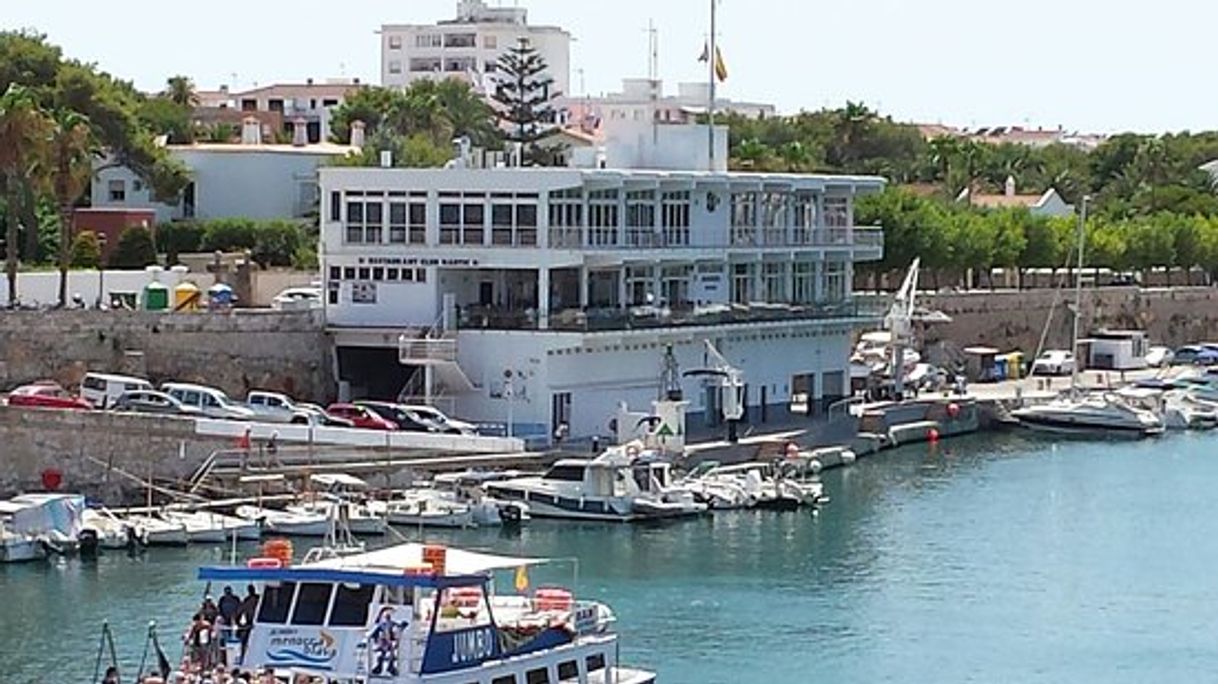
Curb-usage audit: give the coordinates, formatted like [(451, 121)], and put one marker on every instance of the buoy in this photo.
[(932, 435), (953, 410)]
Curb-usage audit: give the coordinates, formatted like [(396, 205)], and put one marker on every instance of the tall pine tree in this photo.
[(524, 93)]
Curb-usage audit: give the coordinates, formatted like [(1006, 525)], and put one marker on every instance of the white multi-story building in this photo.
[(644, 99), (469, 46), (546, 296)]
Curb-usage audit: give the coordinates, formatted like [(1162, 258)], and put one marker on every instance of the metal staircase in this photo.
[(438, 377)]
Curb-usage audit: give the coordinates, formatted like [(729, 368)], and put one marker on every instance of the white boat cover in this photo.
[(36, 514), (395, 559)]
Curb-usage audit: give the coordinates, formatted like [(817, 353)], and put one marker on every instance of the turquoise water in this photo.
[(984, 560)]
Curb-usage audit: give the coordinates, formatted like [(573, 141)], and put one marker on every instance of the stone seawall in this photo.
[(235, 351), (1011, 320), (74, 442)]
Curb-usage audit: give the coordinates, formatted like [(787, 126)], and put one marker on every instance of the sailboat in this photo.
[(1077, 414)]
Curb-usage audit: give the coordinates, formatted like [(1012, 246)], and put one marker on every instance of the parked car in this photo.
[(210, 401), (362, 417), (103, 389), (297, 299), (47, 395), (443, 423), (152, 401), (322, 418), (273, 407), (1159, 357), (400, 416), (1054, 362)]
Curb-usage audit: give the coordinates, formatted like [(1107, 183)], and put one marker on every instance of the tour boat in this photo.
[(288, 523), (416, 614), (611, 487)]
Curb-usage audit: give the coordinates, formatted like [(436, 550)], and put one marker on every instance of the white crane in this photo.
[(899, 323), (730, 381)]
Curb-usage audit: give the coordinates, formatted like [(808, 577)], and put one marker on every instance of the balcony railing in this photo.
[(655, 317)]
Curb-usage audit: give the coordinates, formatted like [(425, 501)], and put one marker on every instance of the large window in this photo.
[(514, 223), (276, 601), (428, 40), (837, 212), (640, 218), (602, 218), (774, 282), (460, 40), (774, 218), (640, 284), (462, 219), (312, 604), (351, 605), (835, 281), (676, 219), (744, 218), (676, 285), (804, 282), (365, 219), (742, 283), (804, 219), (566, 218)]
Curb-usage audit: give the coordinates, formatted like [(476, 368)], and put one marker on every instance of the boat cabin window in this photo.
[(566, 473), (506, 679), (596, 663), (311, 604), (397, 596), (568, 670), (276, 601), (351, 605), (538, 676)]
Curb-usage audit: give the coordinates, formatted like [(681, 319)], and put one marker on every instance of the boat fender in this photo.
[(264, 564), (932, 436), (953, 410)]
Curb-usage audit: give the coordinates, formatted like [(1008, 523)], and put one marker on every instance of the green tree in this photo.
[(86, 250), (524, 94), (180, 90), (25, 130), (70, 156), (135, 249)]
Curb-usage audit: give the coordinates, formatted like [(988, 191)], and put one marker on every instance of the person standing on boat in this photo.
[(245, 617), (229, 605)]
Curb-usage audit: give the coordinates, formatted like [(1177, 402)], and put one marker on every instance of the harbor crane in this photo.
[(899, 323), (730, 381)]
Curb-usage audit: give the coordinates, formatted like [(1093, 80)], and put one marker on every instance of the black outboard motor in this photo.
[(90, 543)]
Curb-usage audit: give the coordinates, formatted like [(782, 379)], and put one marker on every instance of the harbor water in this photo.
[(988, 559)]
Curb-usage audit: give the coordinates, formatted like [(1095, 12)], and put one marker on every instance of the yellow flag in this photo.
[(720, 65), (522, 579)]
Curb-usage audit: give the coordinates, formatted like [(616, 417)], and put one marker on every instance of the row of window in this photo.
[(378, 274), (313, 605), (447, 40), (568, 670)]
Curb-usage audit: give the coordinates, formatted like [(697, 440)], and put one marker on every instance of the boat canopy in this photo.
[(338, 479), (387, 566)]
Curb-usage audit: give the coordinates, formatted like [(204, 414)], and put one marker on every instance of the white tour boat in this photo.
[(416, 614)]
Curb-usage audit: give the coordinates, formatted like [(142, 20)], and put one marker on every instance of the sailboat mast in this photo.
[(1078, 291), (712, 58)]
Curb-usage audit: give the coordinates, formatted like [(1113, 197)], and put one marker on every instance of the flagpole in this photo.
[(710, 63)]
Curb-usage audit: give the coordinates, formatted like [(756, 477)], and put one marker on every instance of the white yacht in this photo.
[(426, 508), (609, 487), (212, 528), (157, 532), (1096, 415), (360, 518), (19, 548), (416, 614), (112, 532)]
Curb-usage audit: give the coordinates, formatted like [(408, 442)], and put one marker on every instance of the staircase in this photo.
[(439, 377)]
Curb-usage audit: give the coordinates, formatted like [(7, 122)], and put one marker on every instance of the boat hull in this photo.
[(21, 551), (1056, 426)]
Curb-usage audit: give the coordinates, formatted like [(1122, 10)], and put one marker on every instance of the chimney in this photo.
[(358, 131), (386, 159), (251, 131), (308, 81), (300, 132), (224, 88), (1009, 186)]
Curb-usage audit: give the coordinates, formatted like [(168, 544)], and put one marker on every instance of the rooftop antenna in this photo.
[(712, 61), (653, 77)]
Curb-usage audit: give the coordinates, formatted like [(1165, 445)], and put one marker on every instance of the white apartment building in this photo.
[(644, 99), (469, 46), (251, 179), (543, 297)]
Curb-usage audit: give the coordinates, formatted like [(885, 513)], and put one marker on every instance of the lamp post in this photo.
[(509, 393), (101, 269)]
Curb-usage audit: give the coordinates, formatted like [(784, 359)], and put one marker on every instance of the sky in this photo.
[(1083, 65)]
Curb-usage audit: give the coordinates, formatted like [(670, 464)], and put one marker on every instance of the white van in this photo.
[(210, 401), (103, 389)]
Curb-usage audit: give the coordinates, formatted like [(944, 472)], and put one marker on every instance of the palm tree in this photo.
[(944, 151), (24, 133), (181, 91), (71, 163), (467, 113)]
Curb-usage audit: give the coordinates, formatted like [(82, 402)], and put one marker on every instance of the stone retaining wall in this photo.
[(235, 351)]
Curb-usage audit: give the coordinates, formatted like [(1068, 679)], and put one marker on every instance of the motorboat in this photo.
[(287, 523), (201, 528), (426, 508), (718, 494), (112, 532), (764, 486), (469, 487), (19, 548), (359, 517), (415, 614), (204, 526), (1090, 415), (157, 532), (1179, 409), (607, 488), (53, 519)]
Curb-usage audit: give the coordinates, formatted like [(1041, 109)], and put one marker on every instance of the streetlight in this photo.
[(101, 268), (509, 393)]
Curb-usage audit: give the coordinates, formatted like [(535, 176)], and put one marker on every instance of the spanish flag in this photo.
[(720, 64)]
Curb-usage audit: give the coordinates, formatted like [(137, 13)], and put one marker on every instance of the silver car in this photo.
[(151, 401)]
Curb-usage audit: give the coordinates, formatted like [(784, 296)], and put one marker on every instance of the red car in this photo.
[(47, 395), (361, 417)]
